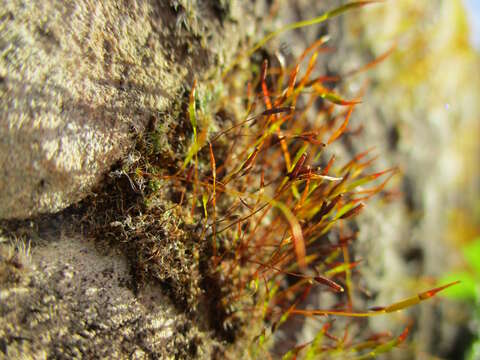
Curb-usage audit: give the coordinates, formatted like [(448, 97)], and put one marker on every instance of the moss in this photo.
[(14, 263), (230, 293), (63, 310)]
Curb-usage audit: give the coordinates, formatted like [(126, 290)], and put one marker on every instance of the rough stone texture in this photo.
[(77, 79), (65, 301)]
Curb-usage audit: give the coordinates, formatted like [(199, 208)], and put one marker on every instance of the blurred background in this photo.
[(421, 111), (473, 10), (430, 89)]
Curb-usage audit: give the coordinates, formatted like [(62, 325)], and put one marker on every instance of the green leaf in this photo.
[(289, 355), (474, 352), (466, 290), (337, 99), (192, 151), (315, 346), (471, 252), (204, 201), (337, 269)]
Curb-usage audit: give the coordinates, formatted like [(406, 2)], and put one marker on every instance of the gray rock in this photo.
[(64, 300), (79, 79)]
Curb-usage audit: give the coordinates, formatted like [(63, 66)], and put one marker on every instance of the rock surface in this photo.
[(79, 79), (73, 303)]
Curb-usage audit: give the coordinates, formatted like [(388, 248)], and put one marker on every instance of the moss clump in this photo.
[(238, 210), (14, 263)]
